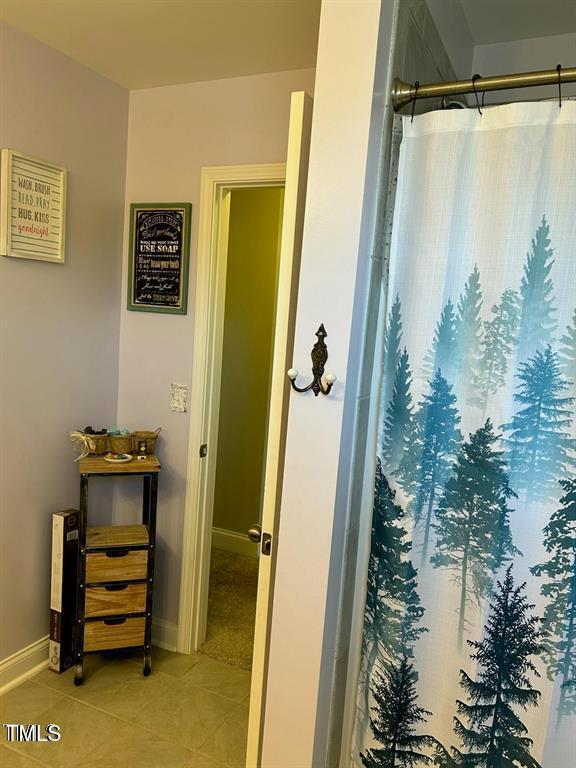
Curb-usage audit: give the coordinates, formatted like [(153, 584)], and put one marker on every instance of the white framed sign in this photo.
[(32, 208)]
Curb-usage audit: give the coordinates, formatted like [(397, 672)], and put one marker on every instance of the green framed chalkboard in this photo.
[(159, 257)]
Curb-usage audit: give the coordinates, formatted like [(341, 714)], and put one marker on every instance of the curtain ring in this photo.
[(416, 86), (559, 70), (474, 78)]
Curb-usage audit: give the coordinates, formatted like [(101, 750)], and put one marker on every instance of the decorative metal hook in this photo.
[(319, 356)]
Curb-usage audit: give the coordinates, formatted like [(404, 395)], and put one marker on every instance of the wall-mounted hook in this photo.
[(319, 356)]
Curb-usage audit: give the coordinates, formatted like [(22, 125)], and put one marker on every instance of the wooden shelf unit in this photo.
[(116, 570)]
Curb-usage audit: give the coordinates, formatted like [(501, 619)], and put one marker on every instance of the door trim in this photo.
[(216, 184)]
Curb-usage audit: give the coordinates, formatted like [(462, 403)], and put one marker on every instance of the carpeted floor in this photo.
[(231, 608)]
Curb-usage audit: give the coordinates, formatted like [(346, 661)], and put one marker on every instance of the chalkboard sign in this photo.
[(158, 264)]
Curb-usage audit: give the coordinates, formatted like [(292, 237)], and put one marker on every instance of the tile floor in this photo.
[(192, 712)]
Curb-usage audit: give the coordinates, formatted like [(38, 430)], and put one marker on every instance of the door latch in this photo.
[(266, 548), (203, 450)]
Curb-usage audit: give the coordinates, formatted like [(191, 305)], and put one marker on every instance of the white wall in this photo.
[(59, 324), (174, 132), (344, 175), (526, 56), (453, 29), (340, 277)]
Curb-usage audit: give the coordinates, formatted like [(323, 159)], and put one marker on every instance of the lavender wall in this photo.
[(59, 324), (174, 132)]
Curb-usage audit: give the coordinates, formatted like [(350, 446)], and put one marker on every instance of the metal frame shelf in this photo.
[(93, 467)]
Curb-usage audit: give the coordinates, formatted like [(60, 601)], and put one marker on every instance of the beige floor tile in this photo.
[(121, 693), (175, 664), (173, 719), (175, 709), (82, 730), (64, 682), (11, 759), (171, 707), (105, 688), (221, 678), (133, 747), (25, 704), (227, 745)]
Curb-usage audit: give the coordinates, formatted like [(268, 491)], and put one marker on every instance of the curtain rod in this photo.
[(403, 93)]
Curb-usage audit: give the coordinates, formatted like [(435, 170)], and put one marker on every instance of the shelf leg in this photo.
[(146, 500), (79, 672), (80, 581), (150, 501)]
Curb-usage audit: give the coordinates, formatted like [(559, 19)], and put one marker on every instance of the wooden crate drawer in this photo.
[(115, 598), (116, 535), (113, 633), (116, 565)]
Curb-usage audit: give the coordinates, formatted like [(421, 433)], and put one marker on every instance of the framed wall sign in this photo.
[(32, 208), (158, 258)]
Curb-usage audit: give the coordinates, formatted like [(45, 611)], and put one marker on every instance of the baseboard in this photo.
[(233, 542), (23, 664), (165, 634)]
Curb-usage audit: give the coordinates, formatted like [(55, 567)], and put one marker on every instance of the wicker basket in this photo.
[(148, 437), (121, 443), (101, 444)]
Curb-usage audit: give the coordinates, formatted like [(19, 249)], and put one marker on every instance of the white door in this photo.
[(291, 242)]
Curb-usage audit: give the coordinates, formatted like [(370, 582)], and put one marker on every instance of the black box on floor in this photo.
[(65, 532)]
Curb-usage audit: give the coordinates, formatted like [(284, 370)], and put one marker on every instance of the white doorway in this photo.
[(218, 187)]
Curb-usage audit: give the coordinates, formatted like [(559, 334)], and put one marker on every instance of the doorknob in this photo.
[(255, 533)]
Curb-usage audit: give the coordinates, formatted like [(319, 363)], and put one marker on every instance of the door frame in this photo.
[(216, 184)]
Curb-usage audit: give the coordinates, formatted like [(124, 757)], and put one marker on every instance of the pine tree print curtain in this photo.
[(469, 637)]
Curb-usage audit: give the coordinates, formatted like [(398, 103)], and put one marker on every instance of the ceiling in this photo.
[(147, 43), (499, 21)]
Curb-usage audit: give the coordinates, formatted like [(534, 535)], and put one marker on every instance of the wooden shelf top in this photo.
[(97, 465), (116, 536)]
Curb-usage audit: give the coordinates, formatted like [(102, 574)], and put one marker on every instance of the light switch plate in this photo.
[(178, 398)]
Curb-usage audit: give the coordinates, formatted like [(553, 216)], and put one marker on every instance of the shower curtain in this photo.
[(469, 632)]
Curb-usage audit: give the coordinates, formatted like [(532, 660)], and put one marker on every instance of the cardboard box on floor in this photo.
[(63, 588)]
